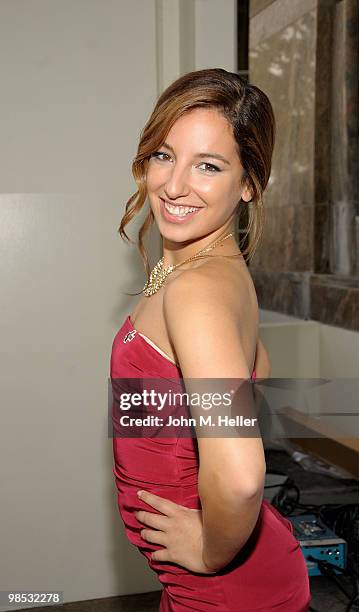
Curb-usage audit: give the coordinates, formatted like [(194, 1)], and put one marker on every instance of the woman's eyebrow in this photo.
[(214, 155)]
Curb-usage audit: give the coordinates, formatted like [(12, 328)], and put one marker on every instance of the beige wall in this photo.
[(215, 32), (73, 102), (78, 82)]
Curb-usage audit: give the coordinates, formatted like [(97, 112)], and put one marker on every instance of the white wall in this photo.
[(215, 34), (78, 81), (301, 349)]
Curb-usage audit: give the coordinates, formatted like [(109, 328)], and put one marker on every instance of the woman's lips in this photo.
[(175, 218)]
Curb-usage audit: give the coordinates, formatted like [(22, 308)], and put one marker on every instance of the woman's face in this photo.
[(186, 172)]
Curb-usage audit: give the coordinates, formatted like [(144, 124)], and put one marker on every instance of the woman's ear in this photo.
[(246, 194)]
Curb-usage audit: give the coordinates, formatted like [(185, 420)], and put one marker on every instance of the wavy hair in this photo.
[(249, 112)]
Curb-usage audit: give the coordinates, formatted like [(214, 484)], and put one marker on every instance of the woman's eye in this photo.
[(157, 154), (210, 167), (213, 168)]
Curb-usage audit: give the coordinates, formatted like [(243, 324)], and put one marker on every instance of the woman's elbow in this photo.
[(250, 490), (247, 488), (244, 491), (244, 482)]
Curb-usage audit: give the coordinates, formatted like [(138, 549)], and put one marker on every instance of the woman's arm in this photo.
[(227, 523), (201, 323)]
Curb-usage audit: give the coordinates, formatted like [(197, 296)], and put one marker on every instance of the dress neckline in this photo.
[(150, 342)]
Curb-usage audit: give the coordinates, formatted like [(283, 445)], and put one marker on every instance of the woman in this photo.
[(201, 520)]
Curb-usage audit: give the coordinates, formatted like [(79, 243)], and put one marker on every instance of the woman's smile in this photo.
[(178, 214)]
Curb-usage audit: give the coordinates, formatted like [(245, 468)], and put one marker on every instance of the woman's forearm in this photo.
[(227, 524), (230, 485)]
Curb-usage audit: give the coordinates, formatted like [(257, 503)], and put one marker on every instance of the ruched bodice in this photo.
[(269, 573)]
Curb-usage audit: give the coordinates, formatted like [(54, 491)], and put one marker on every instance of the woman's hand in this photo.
[(178, 529)]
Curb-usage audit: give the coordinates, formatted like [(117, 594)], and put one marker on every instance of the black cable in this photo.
[(282, 500), (327, 569)]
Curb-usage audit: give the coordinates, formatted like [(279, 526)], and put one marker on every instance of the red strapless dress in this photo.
[(268, 574)]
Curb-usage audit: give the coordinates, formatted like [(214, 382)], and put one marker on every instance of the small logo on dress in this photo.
[(129, 336)]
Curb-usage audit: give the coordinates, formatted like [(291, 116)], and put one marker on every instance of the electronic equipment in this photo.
[(317, 540)]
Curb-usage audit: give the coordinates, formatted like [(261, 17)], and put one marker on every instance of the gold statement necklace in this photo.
[(160, 272)]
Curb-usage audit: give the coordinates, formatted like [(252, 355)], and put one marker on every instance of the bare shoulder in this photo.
[(202, 310), (209, 287)]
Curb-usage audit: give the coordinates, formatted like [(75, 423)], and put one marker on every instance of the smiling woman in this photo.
[(194, 505), (184, 189)]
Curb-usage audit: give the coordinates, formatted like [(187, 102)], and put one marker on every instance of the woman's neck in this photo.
[(175, 252)]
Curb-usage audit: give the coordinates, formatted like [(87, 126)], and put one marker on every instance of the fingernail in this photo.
[(139, 493)]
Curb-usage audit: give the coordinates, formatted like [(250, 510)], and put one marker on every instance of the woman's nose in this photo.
[(177, 183)]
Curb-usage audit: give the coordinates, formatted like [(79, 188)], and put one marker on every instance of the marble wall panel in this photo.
[(320, 297), (256, 6), (283, 65), (304, 55), (276, 16), (323, 104), (343, 251), (287, 239), (286, 292), (335, 301), (338, 133), (345, 118), (322, 228), (345, 142)]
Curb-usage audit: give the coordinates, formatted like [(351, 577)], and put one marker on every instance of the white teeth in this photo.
[(180, 211)]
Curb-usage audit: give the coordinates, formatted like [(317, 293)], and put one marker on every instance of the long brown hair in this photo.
[(250, 114)]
